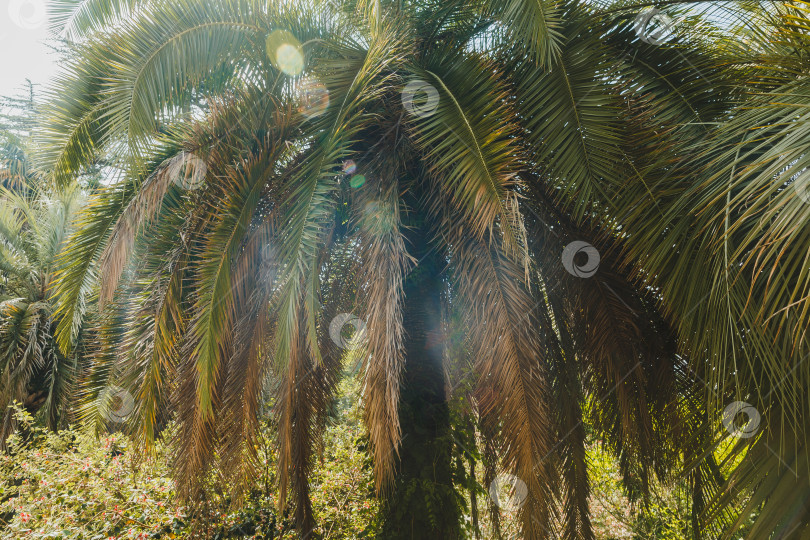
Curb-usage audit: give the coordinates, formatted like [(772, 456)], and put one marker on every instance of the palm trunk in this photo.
[(423, 502)]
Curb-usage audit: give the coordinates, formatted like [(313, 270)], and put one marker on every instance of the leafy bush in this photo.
[(71, 485)]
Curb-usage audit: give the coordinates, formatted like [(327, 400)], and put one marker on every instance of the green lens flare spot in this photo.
[(357, 181), (285, 52)]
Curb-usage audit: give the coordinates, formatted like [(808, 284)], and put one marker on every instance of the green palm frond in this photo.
[(239, 194), (77, 274), (571, 120), (467, 142), (75, 19), (309, 201), (112, 95), (538, 25), (33, 228)]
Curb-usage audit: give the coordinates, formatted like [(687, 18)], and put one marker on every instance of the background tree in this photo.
[(32, 369), (17, 120)]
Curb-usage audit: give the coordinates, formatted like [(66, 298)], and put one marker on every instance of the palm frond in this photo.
[(538, 25), (75, 19), (467, 143), (384, 264), (513, 383)]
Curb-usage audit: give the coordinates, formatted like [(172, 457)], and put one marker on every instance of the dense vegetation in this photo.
[(71, 485), (410, 269)]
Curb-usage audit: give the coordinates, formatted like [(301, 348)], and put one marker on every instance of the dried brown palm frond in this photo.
[(384, 263), (626, 349), (140, 211), (513, 383)]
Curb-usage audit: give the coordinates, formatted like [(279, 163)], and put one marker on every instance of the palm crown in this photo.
[(33, 230), (592, 211)]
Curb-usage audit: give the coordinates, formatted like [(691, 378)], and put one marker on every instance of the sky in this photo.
[(23, 52)]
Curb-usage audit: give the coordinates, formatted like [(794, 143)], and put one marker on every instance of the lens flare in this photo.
[(349, 167), (313, 98), (357, 181), (285, 52)]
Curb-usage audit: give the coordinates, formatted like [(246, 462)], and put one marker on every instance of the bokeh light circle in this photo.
[(349, 167), (285, 52)]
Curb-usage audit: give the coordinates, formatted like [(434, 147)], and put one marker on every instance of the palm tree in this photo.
[(424, 165), (17, 120), (32, 370)]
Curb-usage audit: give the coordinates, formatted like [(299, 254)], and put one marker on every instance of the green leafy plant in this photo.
[(70, 485), (34, 226)]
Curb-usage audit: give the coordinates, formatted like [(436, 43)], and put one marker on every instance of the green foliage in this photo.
[(71, 485), (34, 225), (665, 516)]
